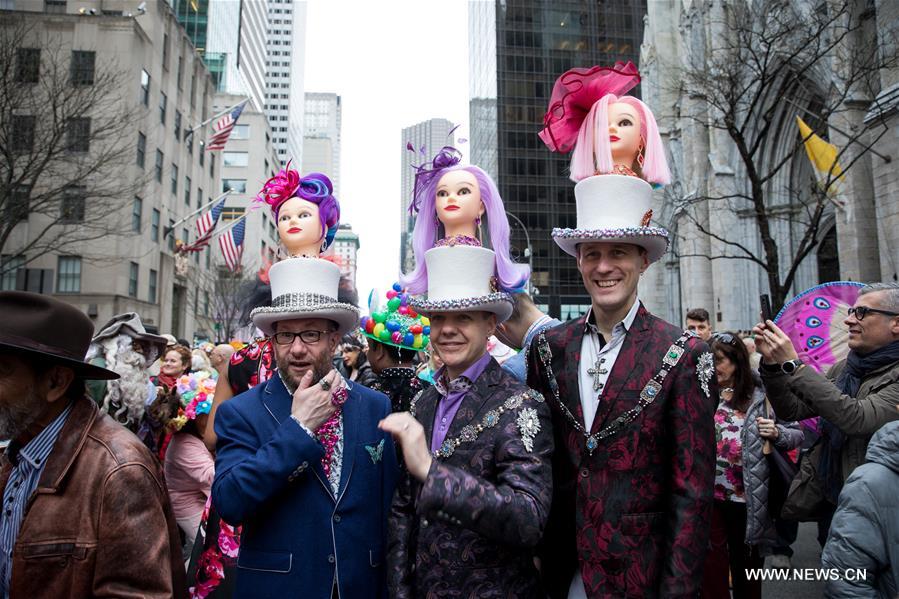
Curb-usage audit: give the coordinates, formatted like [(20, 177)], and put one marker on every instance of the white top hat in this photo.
[(615, 208), (462, 278), (305, 288)]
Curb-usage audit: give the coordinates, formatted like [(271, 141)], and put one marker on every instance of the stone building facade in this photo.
[(859, 242), (168, 90)]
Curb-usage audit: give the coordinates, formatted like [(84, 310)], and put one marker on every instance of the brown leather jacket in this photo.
[(99, 523)]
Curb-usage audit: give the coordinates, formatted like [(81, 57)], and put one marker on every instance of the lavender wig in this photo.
[(510, 276), (592, 151), (314, 187)]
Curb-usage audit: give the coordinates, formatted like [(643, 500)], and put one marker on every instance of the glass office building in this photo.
[(517, 49)]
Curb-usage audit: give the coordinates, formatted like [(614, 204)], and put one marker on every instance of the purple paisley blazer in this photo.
[(470, 530), (635, 514)]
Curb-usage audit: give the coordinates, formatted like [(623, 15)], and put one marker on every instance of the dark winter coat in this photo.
[(864, 533), (757, 472)]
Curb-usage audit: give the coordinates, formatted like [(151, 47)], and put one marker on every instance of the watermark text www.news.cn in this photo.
[(807, 574)]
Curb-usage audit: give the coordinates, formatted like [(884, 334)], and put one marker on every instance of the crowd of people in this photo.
[(392, 455)]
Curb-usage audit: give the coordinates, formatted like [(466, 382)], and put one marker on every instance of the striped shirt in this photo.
[(28, 464)]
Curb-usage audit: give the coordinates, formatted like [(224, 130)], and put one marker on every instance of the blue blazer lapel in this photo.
[(278, 401), (352, 421)]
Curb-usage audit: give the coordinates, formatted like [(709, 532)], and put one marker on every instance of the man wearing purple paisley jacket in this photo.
[(478, 450), (632, 487)]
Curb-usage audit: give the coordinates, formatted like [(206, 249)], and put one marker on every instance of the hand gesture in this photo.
[(767, 428), (774, 345), (410, 434), (312, 403)]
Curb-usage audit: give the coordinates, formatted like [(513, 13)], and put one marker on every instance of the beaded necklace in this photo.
[(647, 395)]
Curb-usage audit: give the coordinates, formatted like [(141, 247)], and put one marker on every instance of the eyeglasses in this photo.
[(308, 337), (725, 338), (861, 311)]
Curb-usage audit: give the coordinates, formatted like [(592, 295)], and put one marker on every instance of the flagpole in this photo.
[(166, 231), (854, 139), (212, 118), (229, 226)]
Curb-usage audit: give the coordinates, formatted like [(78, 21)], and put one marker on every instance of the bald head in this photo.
[(220, 356)]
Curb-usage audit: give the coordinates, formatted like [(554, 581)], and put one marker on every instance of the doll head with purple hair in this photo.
[(304, 209), (608, 142), (430, 231)]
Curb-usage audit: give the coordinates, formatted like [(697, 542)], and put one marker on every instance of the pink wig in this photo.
[(593, 141)]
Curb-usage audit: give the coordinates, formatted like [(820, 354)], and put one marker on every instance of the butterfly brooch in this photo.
[(375, 452)]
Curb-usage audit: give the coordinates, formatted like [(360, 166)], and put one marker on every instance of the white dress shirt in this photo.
[(608, 353), (590, 398)]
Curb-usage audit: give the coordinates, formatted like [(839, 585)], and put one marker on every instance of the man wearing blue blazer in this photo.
[(300, 461)]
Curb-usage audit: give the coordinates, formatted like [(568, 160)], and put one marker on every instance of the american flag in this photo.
[(223, 129), (231, 242), (205, 226)]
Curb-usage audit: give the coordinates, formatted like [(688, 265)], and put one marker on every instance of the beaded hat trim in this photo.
[(488, 302)]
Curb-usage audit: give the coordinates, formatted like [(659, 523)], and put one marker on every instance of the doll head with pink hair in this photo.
[(607, 132)]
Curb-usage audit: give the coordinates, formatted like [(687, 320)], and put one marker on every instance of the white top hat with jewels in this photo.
[(614, 208), (462, 278), (305, 288)]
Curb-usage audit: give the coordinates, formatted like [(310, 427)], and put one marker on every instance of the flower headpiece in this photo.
[(399, 325), (314, 187), (447, 156), (196, 391)]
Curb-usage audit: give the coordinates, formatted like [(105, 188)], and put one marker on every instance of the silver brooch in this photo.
[(705, 368), (529, 426)]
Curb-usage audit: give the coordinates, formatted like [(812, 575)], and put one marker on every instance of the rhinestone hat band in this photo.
[(422, 305), (289, 300), (615, 233)]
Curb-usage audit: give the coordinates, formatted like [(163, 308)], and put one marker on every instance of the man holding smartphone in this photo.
[(857, 396)]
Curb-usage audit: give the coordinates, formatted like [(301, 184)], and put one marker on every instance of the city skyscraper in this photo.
[(426, 138), (285, 98), (321, 139), (193, 16), (236, 47), (517, 49)]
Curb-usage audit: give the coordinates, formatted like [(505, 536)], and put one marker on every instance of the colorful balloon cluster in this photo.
[(196, 390), (399, 325)]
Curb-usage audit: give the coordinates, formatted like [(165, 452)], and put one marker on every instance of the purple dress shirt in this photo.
[(451, 395)]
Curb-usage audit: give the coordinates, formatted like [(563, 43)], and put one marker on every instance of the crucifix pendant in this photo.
[(596, 372)]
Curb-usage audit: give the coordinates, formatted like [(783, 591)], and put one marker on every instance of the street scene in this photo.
[(463, 298)]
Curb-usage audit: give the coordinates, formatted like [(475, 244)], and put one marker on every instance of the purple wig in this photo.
[(314, 187), (510, 276)]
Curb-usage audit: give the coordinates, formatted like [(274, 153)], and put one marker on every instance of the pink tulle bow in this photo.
[(574, 93), (280, 188)]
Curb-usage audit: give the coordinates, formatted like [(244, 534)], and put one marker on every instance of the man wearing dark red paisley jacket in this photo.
[(632, 404), (477, 446)]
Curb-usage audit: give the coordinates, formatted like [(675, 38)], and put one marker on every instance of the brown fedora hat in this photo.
[(47, 327)]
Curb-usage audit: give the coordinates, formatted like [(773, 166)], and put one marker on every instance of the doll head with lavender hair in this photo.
[(304, 209), (619, 136), (455, 202)]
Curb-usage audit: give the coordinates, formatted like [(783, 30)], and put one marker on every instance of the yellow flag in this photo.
[(822, 155)]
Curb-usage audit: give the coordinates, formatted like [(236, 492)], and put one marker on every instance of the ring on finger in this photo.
[(325, 385)]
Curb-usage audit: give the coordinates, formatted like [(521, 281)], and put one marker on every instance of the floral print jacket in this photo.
[(470, 530), (634, 514)]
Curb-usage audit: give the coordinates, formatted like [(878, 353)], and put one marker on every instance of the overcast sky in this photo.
[(393, 64)]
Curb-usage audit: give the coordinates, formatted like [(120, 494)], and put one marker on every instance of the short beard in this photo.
[(320, 368), (17, 416)]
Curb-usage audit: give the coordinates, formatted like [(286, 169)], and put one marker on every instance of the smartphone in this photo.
[(765, 300)]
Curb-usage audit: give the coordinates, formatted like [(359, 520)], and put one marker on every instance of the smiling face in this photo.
[(172, 364), (610, 272), (876, 330), (459, 203), (299, 227), (624, 133), (461, 338)]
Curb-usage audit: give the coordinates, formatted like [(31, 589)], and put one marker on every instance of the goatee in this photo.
[(17, 416), (320, 368)]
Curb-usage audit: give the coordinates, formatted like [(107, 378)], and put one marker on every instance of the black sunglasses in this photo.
[(725, 338), (861, 311)]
